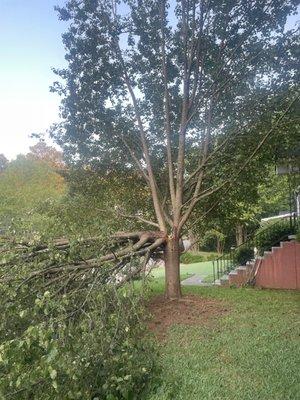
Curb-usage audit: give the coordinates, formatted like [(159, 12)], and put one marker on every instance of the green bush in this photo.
[(71, 339), (211, 257), (190, 258), (243, 254), (271, 235)]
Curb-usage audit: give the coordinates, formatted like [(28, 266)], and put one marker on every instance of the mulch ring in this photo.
[(189, 310)]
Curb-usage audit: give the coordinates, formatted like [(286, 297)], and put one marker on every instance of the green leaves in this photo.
[(53, 373), (74, 344)]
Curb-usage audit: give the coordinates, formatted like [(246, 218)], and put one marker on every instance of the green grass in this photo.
[(251, 352), (203, 269)]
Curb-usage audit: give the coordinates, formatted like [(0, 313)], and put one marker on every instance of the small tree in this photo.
[(166, 88)]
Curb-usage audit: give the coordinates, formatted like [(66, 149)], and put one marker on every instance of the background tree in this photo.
[(166, 88), (3, 162), (24, 184), (42, 152)]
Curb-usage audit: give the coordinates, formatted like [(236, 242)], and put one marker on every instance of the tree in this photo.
[(25, 183), (3, 162), (42, 152), (169, 88)]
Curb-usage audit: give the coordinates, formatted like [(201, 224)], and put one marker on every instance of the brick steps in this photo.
[(241, 274)]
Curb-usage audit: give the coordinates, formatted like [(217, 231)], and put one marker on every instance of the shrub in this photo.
[(211, 257), (243, 254), (190, 258), (78, 339), (271, 235)]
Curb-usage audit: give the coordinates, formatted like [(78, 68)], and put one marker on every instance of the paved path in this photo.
[(194, 280)]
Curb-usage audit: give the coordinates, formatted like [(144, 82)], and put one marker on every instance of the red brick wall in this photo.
[(281, 268)]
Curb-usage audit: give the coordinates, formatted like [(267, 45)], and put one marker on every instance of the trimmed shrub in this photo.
[(243, 254), (190, 258), (211, 257)]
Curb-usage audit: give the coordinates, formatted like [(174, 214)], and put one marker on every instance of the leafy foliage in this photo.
[(3, 162), (243, 254), (25, 183), (195, 257), (183, 93), (272, 234), (242, 72), (189, 258), (213, 239), (42, 152), (71, 338)]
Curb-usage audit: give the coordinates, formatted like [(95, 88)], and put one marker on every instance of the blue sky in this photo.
[(30, 44)]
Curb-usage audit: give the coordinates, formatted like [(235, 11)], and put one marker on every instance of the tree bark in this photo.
[(219, 246), (239, 234), (194, 242), (172, 268)]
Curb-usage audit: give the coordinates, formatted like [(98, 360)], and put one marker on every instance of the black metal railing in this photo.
[(230, 260)]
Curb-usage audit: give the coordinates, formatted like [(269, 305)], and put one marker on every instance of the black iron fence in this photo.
[(246, 251)]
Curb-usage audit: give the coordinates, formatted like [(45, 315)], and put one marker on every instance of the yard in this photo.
[(202, 269), (227, 344)]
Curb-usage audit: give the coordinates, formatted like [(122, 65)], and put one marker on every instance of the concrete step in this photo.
[(267, 253), (275, 248), (224, 280)]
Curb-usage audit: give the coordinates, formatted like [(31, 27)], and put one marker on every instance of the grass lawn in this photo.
[(252, 351), (202, 269)]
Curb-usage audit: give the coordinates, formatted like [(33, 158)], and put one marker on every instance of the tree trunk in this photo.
[(193, 239), (219, 246), (172, 268), (239, 234)]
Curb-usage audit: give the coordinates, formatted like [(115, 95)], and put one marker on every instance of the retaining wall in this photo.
[(280, 268)]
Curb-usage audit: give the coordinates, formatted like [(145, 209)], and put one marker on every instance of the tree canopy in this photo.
[(3, 162), (185, 92)]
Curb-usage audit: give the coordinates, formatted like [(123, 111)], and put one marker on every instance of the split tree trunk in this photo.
[(172, 268)]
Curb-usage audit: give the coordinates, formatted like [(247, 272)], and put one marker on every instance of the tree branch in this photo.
[(248, 160), (152, 180), (167, 104)]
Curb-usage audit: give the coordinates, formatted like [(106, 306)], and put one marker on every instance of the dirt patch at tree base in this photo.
[(189, 310)]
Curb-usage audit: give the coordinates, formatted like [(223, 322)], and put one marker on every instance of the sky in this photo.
[(30, 45)]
